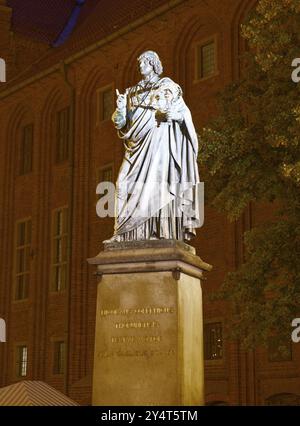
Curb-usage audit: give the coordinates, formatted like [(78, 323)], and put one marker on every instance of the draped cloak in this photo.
[(157, 187)]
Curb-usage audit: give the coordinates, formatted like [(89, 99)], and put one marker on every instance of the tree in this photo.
[(251, 153)]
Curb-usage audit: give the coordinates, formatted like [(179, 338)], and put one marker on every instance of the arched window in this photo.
[(283, 399)]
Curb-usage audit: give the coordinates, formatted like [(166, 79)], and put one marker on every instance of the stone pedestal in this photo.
[(149, 331)]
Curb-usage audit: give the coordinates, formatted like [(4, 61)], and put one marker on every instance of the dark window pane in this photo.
[(60, 250), (56, 278), (63, 129), (105, 104), (26, 286), (27, 252), (58, 222), (19, 287), (22, 361), (22, 260), (59, 358), (28, 232), (213, 341), (21, 233), (22, 285), (26, 150), (57, 258), (64, 249), (107, 175), (206, 56), (65, 221), (108, 104)]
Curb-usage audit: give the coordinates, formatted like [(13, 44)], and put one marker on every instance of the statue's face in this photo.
[(145, 66)]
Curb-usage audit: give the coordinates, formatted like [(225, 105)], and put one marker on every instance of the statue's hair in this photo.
[(154, 60)]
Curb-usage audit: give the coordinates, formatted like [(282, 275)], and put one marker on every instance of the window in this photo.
[(279, 351), (213, 341), (22, 261), (22, 361), (62, 135), (59, 358), (105, 104), (105, 174), (206, 60), (59, 249), (26, 150)]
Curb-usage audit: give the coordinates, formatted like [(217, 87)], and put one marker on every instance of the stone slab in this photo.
[(153, 255)]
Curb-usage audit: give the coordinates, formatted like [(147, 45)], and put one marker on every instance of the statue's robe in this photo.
[(157, 186)]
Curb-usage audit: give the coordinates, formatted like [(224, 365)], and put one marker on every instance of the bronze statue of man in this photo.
[(156, 193)]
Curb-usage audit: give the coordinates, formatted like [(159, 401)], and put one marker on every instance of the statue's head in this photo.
[(153, 60)]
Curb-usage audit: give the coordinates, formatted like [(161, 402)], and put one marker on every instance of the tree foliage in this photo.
[(251, 153)]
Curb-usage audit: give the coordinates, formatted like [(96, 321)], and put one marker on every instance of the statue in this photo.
[(157, 187)]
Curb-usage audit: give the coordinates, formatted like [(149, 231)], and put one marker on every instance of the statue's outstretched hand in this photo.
[(121, 100)]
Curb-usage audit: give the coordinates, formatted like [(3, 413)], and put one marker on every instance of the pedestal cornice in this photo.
[(150, 256)]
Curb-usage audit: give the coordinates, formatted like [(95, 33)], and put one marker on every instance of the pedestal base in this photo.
[(149, 332)]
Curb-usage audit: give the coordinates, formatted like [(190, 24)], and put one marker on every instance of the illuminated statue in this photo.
[(157, 187)]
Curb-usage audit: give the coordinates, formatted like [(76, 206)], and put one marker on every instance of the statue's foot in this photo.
[(113, 239), (154, 237)]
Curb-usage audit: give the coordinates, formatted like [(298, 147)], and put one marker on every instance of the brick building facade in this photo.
[(57, 143)]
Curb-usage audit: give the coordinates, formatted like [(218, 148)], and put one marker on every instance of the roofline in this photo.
[(135, 24)]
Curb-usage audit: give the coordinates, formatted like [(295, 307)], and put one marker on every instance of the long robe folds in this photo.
[(157, 193)]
